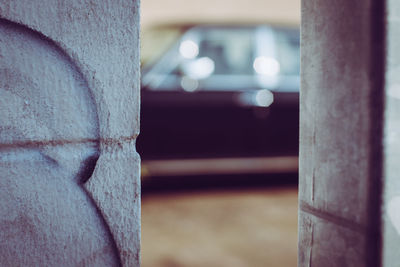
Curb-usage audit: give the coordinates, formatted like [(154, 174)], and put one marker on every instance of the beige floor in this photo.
[(233, 228)]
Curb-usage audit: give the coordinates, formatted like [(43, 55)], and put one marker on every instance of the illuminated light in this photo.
[(189, 85), (189, 49), (266, 66), (264, 98), (200, 68)]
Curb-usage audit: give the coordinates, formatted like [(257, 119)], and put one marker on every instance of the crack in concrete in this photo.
[(35, 144), (327, 216)]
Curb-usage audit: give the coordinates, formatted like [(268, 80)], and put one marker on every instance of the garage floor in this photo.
[(252, 227)]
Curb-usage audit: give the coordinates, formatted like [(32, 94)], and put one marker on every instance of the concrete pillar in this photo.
[(69, 105), (341, 133), (350, 134)]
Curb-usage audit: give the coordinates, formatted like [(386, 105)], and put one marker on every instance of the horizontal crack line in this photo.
[(34, 144), (346, 223)]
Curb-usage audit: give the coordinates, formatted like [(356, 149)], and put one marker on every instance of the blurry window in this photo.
[(222, 58), (288, 51), (155, 42), (230, 49)]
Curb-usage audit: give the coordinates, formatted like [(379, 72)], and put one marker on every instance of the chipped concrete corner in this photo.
[(69, 99)]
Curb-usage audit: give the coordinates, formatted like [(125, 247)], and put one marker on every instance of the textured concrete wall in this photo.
[(342, 91), (69, 105)]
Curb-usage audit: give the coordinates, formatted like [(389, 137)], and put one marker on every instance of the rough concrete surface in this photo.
[(69, 87), (340, 133)]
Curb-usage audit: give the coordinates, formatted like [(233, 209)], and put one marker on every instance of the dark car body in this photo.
[(229, 103)]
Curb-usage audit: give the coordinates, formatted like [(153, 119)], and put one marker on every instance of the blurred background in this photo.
[(219, 132), (245, 11)]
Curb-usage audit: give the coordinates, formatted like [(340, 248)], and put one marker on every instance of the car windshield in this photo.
[(155, 41), (231, 51), (226, 58)]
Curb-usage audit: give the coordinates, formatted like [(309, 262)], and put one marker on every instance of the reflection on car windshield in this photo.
[(155, 42), (229, 58), (231, 51)]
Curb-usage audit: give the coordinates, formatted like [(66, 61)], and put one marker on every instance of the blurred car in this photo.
[(219, 99)]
